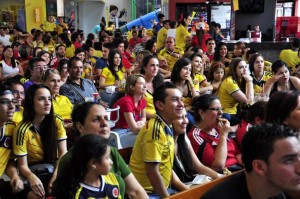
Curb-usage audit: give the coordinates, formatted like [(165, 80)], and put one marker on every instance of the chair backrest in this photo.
[(199, 190), (125, 153), (112, 123), (114, 140)]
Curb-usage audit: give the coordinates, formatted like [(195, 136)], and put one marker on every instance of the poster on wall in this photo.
[(217, 14)]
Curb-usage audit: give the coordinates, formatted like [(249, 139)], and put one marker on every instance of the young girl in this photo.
[(88, 174), (215, 75), (199, 80)]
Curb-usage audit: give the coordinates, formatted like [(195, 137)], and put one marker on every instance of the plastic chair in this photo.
[(114, 140), (112, 123)]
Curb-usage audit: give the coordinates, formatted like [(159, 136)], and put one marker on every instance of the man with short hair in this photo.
[(60, 52), (36, 66), (159, 25), (171, 53), (211, 45), (4, 38), (76, 39), (271, 155), (77, 89), (153, 153), (127, 60), (7, 109), (134, 40)]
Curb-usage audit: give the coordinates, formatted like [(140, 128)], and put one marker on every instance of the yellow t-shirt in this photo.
[(150, 109), (62, 106), (109, 78), (227, 87), (181, 34), (198, 80), (18, 115), (170, 59), (154, 143), (290, 57), (70, 51), (61, 27), (49, 26), (27, 141), (98, 53), (161, 37), (6, 134)]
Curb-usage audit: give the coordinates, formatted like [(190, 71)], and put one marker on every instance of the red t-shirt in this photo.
[(241, 131), (126, 104), (205, 145)]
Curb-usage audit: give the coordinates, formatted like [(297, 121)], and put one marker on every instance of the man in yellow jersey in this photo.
[(14, 188), (153, 153)]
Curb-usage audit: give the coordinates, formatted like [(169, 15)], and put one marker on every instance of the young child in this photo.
[(88, 173)]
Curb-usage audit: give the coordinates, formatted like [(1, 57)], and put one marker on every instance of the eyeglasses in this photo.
[(169, 42), (216, 109), (7, 102)]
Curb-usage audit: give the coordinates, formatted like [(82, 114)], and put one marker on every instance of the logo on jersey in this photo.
[(115, 192)]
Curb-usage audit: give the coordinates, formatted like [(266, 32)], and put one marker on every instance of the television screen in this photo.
[(251, 6)]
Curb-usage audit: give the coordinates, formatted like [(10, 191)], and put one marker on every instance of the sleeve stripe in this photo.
[(21, 131)]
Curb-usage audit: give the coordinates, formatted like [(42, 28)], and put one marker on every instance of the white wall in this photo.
[(90, 13)]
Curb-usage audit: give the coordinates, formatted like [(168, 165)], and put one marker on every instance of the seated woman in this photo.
[(186, 163), (181, 77), (88, 174), (112, 75), (257, 72), (61, 104), (150, 68), (210, 135), (237, 87), (9, 66), (63, 70), (221, 54), (281, 79), (199, 80), (91, 118), (132, 110), (39, 138), (88, 68), (215, 75)]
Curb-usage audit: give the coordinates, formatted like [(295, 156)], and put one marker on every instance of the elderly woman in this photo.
[(210, 135)]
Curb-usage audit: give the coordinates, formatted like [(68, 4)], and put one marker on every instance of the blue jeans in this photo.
[(156, 196), (126, 136)]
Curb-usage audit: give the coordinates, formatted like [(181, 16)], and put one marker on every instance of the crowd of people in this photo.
[(187, 106)]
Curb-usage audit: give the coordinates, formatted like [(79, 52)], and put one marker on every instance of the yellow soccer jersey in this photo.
[(198, 80), (6, 134), (290, 57), (62, 106), (18, 115), (109, 78), (109, 189), (49, 26), (181, 34), (154, 143), (161, 38), (150, 109), (227, 87), (70, 51), (27, 141), (170, 59), (258, 84)]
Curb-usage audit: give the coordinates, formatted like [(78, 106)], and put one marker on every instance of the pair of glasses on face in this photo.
[(7, 102), (216, 109)]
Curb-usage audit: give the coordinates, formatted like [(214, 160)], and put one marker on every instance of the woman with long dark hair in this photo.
[(186, 163), (39, 138), (182, 33), (9, 67)]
